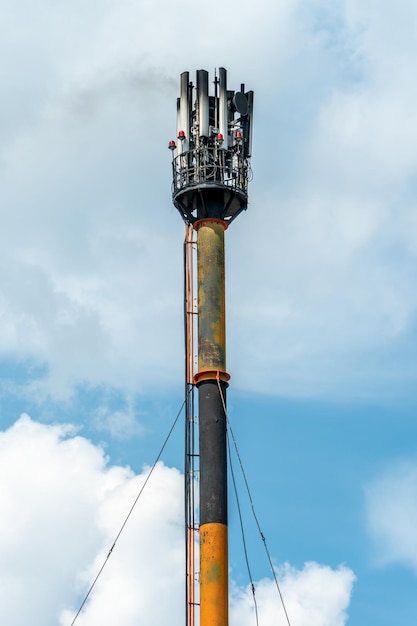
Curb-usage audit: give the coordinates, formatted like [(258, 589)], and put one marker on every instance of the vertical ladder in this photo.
[(191, 439)]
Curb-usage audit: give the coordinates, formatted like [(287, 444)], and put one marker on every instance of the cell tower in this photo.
[(210, 188)]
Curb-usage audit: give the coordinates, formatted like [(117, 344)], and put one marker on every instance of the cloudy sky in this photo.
[(321, 297)]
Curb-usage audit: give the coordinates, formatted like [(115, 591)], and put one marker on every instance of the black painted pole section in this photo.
[(213, 456)]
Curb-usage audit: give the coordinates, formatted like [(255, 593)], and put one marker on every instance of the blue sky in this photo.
[(321, 307)]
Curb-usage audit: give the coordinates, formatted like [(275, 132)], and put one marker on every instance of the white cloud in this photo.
[(62, 505), (52, 485), (120, 424), (314, 596), (391, 506)]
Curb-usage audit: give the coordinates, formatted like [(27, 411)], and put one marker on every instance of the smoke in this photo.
[(131, 86)]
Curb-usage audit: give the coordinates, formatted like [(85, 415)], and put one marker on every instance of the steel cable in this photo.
[(243, 533)]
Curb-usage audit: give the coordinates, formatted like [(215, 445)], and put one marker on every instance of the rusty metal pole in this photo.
[(211, 380)]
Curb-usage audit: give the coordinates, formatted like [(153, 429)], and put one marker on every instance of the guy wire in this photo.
[(87, 595)]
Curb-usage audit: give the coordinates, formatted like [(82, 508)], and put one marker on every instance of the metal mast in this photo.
[(210, 185)]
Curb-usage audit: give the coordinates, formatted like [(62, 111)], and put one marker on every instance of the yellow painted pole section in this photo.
[(213, 575), (211, 296)]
